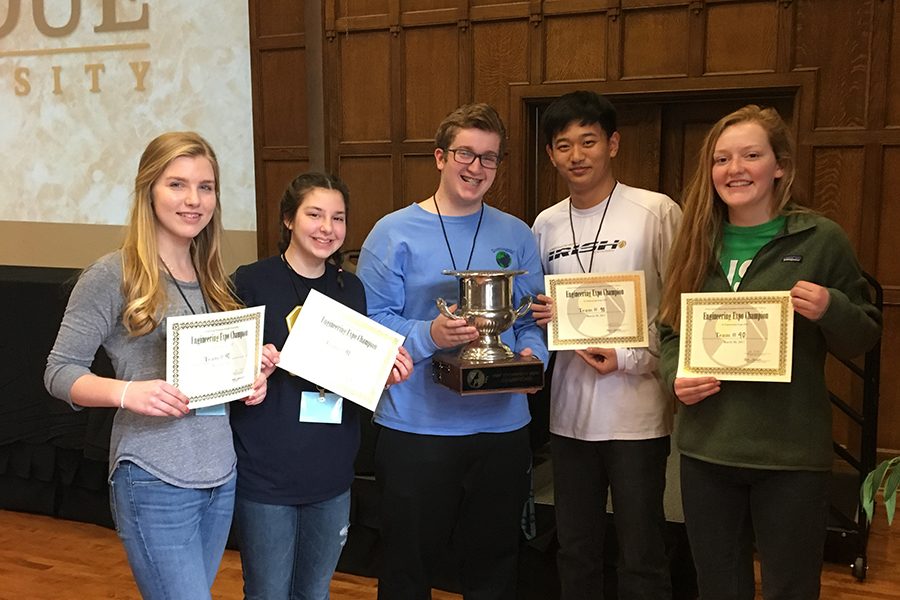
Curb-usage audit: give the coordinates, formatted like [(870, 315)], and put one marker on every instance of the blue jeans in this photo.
[(174, 537), (290, 552)]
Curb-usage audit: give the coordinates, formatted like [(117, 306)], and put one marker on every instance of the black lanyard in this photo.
[(596, 237), (181, 291), (447, 240)]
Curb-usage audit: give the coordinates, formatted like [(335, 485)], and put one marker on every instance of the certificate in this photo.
[(603, 310), (340, 350), (741, 336), (214, 358)]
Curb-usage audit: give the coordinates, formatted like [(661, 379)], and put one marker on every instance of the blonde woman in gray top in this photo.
[(172, 471)]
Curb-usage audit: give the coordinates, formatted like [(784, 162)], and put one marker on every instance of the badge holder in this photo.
[(321, 407)]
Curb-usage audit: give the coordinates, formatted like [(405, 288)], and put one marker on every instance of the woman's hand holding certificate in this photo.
[(341, 350), (741, 336), (214, 358)]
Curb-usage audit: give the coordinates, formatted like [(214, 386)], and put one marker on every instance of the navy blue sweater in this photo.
[(280, 460)]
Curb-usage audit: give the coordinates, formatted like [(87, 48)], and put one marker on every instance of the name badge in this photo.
[(216, 410), (320, 407)]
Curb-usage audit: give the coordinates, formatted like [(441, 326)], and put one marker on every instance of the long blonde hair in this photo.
[(695, 248), (145, 297)]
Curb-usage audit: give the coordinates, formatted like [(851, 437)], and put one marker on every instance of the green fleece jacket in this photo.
[(783, 425)]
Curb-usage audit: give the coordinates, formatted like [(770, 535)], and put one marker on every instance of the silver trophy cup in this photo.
[(486, 303)]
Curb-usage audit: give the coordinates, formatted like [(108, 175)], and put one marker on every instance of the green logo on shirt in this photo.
[(503, 258)]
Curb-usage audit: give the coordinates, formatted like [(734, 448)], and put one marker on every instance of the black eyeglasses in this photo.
[(467, 157)]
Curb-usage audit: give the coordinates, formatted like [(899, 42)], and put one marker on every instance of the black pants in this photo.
[(635, 472), (471, 488), (724, 507)]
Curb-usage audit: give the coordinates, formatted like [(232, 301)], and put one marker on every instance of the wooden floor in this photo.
[(42, 558)]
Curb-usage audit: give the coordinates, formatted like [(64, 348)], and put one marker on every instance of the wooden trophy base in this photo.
[(467, 378)]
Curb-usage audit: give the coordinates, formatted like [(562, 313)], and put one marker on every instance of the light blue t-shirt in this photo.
[(400, 266)]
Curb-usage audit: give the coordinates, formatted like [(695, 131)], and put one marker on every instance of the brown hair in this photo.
[(694, 250), (293, 197), (470, 116)]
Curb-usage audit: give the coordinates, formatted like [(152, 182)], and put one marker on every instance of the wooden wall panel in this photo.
[(365, 87), (413, 6), (645, 3), (431, 79), (501, 57), (283, 115), (893, 83), (371, 194), (835, 36), (551, 188), (838, 186), (640, 128), (888, 261), (655, 43), (566, 61), (507, 3), (277, 175), (278, 17), (420, 179), (888, 273), (280, 65), (889, 408), (692, 140), (357, 8), (498, 196), (682, 137), (741, 37)]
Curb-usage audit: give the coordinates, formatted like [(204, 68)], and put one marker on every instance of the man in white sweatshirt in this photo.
[(610, 419)]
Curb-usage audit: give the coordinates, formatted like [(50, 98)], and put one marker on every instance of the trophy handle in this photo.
[(442, 307), (524, 305)]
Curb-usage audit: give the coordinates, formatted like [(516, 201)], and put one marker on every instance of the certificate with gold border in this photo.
[(601, 310), (214, 358), (741, 336)]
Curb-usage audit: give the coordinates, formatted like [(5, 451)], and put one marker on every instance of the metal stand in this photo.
[(848, 529)]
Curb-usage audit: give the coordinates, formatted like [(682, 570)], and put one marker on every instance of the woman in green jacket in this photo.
[(756, 455)]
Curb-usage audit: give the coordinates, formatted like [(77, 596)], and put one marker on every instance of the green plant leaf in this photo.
[(891, 482), (866, 497), (869, 488)]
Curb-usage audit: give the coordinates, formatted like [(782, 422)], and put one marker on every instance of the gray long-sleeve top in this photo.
[(192, 451)]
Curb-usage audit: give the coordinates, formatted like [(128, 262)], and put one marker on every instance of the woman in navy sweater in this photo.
[(295, 463)]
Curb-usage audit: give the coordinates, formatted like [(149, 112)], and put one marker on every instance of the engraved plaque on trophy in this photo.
[(486, 365)]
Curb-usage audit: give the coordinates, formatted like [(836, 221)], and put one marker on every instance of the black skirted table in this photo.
[(53, 460)]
